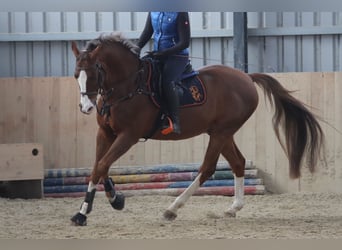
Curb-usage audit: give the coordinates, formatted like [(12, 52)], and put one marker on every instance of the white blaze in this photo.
[(86, 105)]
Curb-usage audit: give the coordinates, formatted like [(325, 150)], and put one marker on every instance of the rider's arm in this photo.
[(183, 27), (147, 33)]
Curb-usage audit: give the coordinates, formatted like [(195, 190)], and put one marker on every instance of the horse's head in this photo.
[(86, 75), (104, 65)]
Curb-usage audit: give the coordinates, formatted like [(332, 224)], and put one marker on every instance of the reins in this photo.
[(106, 94)]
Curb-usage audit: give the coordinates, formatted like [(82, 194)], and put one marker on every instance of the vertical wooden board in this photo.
[(66, 117), (4, 94), (134, 156), (199, 147), (166, 151), (338, 137), (86, 131), (41, 117), (152, 152), (175, 152), (245, 138), (30, 119), (322, 102), (53, 135), (184, 150), (329, 113), (304, 94), (15, 115)]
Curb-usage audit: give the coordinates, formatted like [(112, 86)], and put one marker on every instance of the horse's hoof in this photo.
[(119, 202), (230, 213), (79, 220), (169, 215)]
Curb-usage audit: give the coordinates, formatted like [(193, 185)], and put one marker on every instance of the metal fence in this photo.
[(38, 43)]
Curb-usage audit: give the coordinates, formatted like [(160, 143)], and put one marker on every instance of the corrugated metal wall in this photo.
[(38, 43)]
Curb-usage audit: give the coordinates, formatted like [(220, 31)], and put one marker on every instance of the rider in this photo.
[(171, 33)]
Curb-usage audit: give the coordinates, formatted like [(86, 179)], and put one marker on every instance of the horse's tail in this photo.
[(303, 134)]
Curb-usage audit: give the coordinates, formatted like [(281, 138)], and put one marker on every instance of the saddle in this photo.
[(191, 91)]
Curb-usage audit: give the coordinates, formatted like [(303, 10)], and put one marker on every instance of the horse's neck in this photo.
[(122, 70)]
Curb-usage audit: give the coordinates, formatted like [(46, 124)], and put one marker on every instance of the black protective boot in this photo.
[(172, 104)]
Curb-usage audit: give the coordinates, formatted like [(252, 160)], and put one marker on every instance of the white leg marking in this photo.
[(84, 207), (91, 186), (181, 199), (238, 196)]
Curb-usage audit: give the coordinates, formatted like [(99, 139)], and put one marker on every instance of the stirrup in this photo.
[(169, 129)]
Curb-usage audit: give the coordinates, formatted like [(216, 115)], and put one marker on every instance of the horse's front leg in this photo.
[(121, 145)]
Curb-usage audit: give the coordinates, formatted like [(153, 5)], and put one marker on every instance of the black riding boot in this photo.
[(172, 104)]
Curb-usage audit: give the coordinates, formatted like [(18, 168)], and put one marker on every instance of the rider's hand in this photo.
[(155, 55)]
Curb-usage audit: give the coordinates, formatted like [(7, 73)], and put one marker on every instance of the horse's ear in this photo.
[(93, 54), (74, 48)]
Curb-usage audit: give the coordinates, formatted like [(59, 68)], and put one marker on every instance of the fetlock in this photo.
[(116, 199)]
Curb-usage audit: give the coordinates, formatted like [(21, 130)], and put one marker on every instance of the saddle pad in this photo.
[(191, 92)]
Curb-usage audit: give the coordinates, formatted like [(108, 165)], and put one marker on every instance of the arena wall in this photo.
[(45, 110)]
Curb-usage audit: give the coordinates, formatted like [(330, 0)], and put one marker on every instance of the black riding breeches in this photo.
[(173, 67)]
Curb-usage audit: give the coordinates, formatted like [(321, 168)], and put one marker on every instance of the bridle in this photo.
[(138, 77)]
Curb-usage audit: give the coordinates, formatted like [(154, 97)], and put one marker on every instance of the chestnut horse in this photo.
[(113, 80)]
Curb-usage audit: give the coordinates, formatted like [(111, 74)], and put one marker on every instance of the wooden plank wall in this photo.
[(45, 110)]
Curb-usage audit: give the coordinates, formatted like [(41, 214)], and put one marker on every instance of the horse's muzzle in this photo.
[(88, 109), (87, 105)]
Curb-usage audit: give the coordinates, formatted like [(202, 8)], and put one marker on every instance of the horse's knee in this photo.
[(101, 169)]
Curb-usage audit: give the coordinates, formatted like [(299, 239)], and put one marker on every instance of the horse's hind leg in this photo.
[(237, 162), (206, 170)]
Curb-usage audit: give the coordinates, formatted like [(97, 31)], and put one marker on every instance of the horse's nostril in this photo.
[(89, 109)]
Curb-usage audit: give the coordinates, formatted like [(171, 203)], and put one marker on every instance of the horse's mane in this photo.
[(111, 38)]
